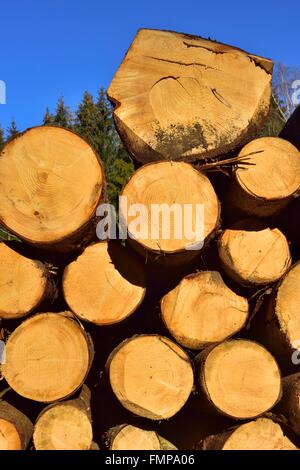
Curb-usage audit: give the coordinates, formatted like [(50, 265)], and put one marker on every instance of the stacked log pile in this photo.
[(160, 341)]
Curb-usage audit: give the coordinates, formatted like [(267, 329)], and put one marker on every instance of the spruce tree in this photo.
[(86, 120), (63, 115), (118, 164), (94, 122), (48, 118), (12, 131), (1, 138)]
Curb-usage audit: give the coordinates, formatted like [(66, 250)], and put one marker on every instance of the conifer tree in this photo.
[(1, 138), (63, 115), (86, 120), (12, 131), (48, 118)]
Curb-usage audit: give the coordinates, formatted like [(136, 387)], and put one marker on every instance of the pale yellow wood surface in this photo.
[(63, 427), (202, 310), (105, 284), (151, 376), (180, 96), (172, 184), (51, 183), (47, 357), (241, 378), (253, 256), (23, 283)]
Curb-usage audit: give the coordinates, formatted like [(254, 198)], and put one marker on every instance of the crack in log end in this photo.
[(264, 64), (220, 97), (178, 139), (175, 351), (185, 64), (204, 47)]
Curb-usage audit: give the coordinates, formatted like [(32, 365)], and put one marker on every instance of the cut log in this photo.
[(261, 434), (66, 425), (199, 98), (15, 428), (239, 378), (289, 405), (202, 310), (253, 254), (127, 437), (51, 185), (105, 284), (25, 284), (277, 324), (47, 357), (151, 376), (271, 180), (170, 210)]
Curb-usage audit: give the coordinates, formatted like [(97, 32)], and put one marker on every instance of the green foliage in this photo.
[(62, 116), (12, 131), (1, 138), (48, 118)]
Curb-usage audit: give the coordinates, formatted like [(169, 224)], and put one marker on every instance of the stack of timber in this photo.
[(185, 333)]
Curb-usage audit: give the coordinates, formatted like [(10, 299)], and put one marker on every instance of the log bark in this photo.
[(65, 425), (202, 310), (261, 434), (238, 378), (151, 376), (169, 226), (105, 284), (15, 428), (271, 180), (200, 98), (128, 437), (253, 254), (52, 183), (25, 284), (47, 357), (289, 405), (277, 324)]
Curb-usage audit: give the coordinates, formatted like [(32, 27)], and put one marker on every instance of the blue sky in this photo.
[(63, 47)]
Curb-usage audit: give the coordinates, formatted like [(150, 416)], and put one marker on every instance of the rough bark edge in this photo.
[(241, 201), (270, 331), (289, 405), (22, 424), (81, 403), (217, 441), (50, 293), (109, 436)]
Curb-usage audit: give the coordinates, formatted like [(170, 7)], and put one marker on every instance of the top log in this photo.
[(179, 96)]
